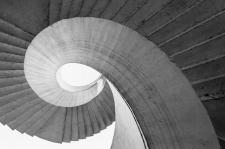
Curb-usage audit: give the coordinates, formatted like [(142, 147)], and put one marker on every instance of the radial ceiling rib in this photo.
[(14, 30), (184, 22), (99, 8), (12, 40), (14, 118), (168, 14), (130, 7), (12, 49), (75, 8), (53, 129), (147, 11), (54, 10), (112, 8), (68, 125), (65, 8)]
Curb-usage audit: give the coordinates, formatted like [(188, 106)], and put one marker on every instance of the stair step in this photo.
[(103, 112), (14, 30), (41, 122), (54, 11), (12, 81), (87, 121), (11, 73), (99, 7), (65, 8), (68, 125), (11, 66), (31, 120), (98, 115), (75, 133), (128, 9), (16, 103), (190, 18), (12, 89), (93, 119), (152, 8), (16, 116), (14, 96), (75, 8), (8, 57), (87, 7), (54, 128), (12, 40), (4, 47), (81, 124), (168, 14), (112, 8)]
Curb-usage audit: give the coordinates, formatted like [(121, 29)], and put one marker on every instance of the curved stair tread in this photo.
[(21, 114), (15, 31), (68, 125), (53, 129)]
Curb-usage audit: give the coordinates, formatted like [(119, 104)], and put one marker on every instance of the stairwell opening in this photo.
[(74, 77)]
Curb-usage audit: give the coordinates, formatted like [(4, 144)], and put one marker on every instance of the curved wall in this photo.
[(164, 103)]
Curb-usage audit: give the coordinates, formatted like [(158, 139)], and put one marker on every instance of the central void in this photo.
[(75, 74)]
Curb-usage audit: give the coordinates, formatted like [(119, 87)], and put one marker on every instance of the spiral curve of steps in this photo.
[(190, 32)]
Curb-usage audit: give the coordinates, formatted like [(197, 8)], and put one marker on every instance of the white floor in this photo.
[(10, 139)]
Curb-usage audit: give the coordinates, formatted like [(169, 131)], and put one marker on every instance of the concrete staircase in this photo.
[(190, 32)]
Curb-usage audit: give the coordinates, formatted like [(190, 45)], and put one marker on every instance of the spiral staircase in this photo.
[(190, 32)]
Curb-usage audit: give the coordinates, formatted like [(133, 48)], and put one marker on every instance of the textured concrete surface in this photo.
[(191, 32)]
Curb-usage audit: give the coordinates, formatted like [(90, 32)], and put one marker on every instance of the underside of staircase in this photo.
[(190, 32)]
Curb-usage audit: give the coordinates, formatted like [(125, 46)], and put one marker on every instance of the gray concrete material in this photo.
[(12, 105), (11, 57), (197, 34), (12, 81), (19, 115), (14, 96), (93, 119), (27, 124), (103, 113), (149, 10), (68, 125), (10, 66), (128, 9), (188, 19), (16, 12), (205, 51), (81, 125), (145, 75), (12, 49), (216, 112), (11, 73), (112, 8), (53, 129), (65, 8), (12, 40), (210, 89), (172, 10), (127, 132), (12, 89), (98, 115), (41, 121), (205, 70), (75, 134), (86, 7), (107, 109), (87, 121), (14, 30), (54, 11), (75, 8), (99, 7)]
